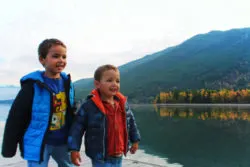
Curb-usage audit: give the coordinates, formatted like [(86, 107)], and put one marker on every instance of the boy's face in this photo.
[(109, 83), (55, 61)]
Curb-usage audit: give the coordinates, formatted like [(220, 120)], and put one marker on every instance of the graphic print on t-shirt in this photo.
[(59, 111)]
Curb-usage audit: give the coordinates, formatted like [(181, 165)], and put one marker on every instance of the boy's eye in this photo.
[(118, 81), (55, 56), (58, 56)]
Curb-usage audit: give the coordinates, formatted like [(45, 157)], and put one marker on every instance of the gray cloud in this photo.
[(99, 32)]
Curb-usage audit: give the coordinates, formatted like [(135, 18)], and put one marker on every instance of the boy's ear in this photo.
[(97, 84), (41, 59)]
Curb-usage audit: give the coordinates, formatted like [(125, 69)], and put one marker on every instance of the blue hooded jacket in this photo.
[(30, 115)]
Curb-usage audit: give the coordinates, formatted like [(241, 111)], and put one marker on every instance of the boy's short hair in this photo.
[(45, 45), (100, 70)]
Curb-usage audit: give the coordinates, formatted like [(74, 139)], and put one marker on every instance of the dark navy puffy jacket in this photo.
[(91, 122)]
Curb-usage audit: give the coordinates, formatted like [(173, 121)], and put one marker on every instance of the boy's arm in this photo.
[(77, 130), (17, 120), (134, 134)]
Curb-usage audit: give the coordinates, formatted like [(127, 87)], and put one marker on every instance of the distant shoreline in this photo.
[(197, 104), (10, 101)]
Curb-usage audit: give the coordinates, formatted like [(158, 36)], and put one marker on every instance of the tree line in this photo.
[(204, 96), (216, 113)]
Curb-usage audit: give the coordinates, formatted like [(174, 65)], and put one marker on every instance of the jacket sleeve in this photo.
[(17, 120), (77, 130), (134, 134), (72, 100)]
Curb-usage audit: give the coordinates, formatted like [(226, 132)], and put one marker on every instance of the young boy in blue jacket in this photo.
[(106, 121), (42, 112)]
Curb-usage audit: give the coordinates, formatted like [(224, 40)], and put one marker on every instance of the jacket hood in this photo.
[(96, 98), (38, 76)]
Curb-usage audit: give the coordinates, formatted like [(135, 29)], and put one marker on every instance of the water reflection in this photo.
[(204, 113), (196, 136)]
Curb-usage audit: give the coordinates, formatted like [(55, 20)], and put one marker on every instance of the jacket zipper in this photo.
[(126, 131), (69, 107), (115, 131), (104, 139)]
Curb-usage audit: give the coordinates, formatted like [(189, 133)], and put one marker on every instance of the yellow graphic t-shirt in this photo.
[(57, 130), (59, 111)]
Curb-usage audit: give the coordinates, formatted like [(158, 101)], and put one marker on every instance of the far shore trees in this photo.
[(204, 96)]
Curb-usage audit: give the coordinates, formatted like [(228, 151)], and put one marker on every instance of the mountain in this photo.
[(8, 92), (8, 86), (6, 101), (129, 66), (215, 60), (83, 87)]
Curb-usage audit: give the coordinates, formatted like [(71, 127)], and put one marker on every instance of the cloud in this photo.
[(98, 32)]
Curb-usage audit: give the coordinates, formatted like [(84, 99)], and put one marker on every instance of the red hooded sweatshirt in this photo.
[(116, 122)]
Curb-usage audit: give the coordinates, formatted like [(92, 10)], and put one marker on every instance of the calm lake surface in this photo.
[(196, 136), (191, 136)]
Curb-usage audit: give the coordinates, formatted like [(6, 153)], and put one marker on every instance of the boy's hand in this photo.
[(134, 147), (75, 158)]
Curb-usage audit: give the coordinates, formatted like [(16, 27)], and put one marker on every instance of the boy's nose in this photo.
[(62, 59)]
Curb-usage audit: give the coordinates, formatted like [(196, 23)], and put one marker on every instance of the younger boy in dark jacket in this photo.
[(106, 121)]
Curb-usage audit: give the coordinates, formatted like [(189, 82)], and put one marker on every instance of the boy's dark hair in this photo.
[(100, 70), (45, 45)]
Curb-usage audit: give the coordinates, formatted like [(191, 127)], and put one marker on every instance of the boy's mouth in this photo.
[(60, 65), (114, 89)]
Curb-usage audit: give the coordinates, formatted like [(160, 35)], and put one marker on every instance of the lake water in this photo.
[(189, 136), (196, 136)]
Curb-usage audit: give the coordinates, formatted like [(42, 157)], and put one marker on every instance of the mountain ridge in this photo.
[(214, 60)]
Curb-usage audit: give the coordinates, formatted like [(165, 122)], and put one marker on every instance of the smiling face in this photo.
[(109, 84), (55, 61)]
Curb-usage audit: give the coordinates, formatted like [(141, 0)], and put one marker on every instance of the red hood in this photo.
[(96, 98)]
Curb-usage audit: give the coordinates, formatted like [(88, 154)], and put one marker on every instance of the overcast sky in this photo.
[(97, 32)]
